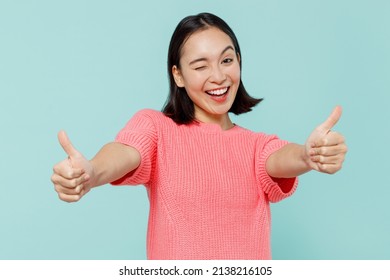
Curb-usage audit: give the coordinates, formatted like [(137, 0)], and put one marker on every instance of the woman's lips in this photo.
[(218, 92)]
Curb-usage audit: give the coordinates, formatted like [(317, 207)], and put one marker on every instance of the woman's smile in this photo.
[(219, 95)]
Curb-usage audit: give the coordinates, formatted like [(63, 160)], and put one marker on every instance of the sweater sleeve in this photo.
[(276, 188), (140, 133)]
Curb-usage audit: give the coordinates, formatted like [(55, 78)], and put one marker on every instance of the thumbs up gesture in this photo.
[(71, 177), (326, 149)]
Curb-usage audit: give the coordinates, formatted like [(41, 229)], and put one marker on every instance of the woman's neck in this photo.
[(222, 120)]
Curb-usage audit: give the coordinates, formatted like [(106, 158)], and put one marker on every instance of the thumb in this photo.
[(332, 119), (67, 145)]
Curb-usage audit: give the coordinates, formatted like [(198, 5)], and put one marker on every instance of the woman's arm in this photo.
[(75, 176), (323, 151)]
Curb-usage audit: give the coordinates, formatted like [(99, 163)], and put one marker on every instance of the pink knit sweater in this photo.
[(208, 189)]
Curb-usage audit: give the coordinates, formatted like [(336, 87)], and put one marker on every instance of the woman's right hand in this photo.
[(72, 176)]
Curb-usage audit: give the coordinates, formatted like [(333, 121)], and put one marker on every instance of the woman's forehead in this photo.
[(206, 41)]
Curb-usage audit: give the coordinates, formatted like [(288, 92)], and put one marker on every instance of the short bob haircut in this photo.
[(179, 107)]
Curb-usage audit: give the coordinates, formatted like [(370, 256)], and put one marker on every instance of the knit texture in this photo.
[(208, 189)]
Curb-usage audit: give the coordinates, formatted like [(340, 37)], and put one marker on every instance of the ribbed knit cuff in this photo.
[(141, 175), (274, 187)]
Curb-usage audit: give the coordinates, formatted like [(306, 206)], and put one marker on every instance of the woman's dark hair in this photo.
[(179, 107)]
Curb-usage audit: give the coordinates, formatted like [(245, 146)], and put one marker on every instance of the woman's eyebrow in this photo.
[(205, 59)]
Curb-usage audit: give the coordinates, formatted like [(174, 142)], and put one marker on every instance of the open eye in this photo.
[(227, 60)]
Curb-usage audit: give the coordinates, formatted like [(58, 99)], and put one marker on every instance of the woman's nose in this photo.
[(217, 75)]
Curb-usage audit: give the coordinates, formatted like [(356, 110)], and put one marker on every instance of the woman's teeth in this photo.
[(220, 91)]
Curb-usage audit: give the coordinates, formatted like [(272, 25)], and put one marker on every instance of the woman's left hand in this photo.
[(326, 149)]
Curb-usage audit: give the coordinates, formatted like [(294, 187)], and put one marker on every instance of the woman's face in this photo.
[(210, 73)]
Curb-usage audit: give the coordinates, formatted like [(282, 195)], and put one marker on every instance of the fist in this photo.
[(71, 177), (326, 149)]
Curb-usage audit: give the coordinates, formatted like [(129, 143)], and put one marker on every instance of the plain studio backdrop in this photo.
[(88, 66)]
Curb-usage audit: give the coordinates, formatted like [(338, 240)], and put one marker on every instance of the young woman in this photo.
[(209, 181)]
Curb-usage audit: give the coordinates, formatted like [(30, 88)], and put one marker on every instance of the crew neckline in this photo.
[(214, 128)]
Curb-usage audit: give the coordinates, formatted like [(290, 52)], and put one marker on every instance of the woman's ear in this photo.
[(177, 76)]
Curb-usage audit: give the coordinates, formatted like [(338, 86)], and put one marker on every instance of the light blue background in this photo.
[(88, 66)]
